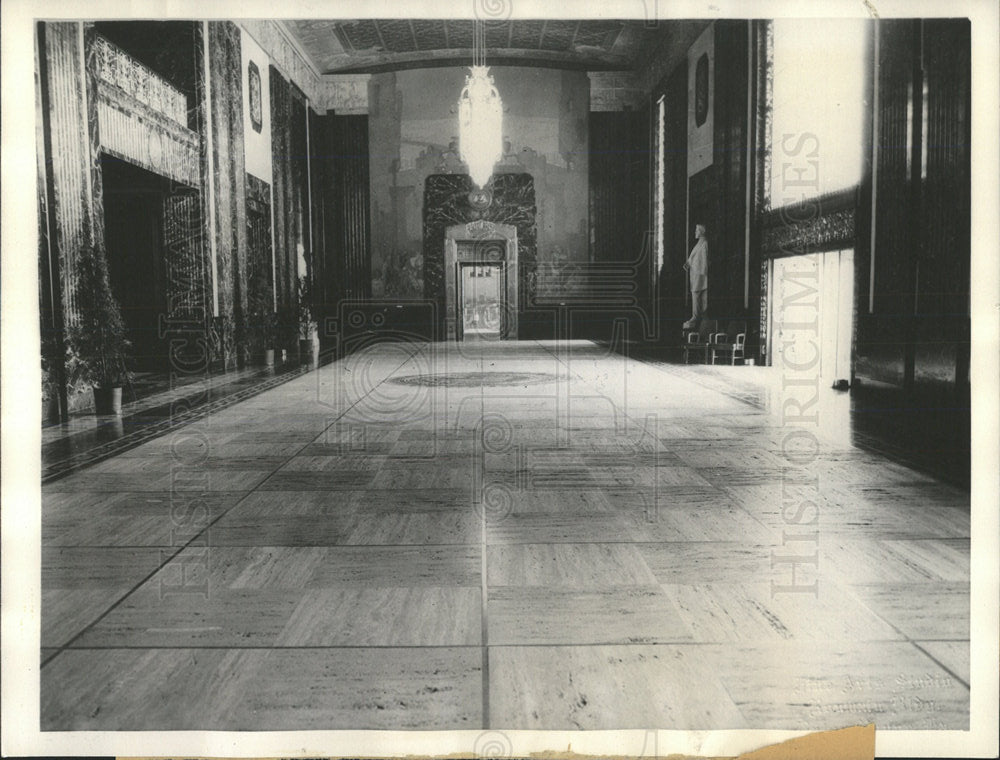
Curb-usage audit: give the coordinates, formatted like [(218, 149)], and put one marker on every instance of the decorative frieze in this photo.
[(344, 93), (133, 131), (824, 230), (116, 67)]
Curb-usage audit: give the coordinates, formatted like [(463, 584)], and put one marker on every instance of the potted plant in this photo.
[(270, 337), (97, 337), (308, 327)]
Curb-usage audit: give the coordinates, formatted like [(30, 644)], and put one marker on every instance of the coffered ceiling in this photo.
[(371, 45)]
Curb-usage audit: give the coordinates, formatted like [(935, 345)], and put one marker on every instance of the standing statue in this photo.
[(697, 266)]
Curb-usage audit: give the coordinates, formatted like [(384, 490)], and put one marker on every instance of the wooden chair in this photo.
[(729, 344), (700, 341)]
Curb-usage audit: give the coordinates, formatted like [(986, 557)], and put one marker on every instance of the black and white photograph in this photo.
[(499, 376)]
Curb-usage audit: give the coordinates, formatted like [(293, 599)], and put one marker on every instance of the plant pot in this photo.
[(50, 410), (108, 400), (309, 351)]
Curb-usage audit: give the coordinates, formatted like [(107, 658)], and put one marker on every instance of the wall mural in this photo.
[(447, 202), (413, 135)]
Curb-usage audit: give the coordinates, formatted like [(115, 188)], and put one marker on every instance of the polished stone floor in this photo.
[(515, 535)]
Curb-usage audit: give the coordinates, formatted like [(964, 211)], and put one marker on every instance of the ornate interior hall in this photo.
[(503, 373)]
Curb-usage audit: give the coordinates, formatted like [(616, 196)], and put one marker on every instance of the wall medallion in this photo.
[(480, 199), (701, 90), (256, 119)]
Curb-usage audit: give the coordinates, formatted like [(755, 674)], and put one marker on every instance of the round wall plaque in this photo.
[(480, 199)]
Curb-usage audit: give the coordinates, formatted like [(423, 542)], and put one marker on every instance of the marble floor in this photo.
[(505, 535)]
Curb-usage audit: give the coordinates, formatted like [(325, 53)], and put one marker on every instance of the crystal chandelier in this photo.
[(480, 115)]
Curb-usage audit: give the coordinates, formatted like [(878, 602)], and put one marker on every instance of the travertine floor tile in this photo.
[(421, 616), (798, 685), (603, 687), (609, 538), (533, 615), (582, 566), (263, 689)]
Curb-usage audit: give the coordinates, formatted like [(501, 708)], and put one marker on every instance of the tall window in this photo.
[(661, 115), (819, 70)]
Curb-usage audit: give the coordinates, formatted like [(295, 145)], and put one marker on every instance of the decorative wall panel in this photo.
[(187, 275), (256, 108), (701, 102)]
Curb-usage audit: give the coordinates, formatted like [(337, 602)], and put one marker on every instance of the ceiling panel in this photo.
[(360, 45), (397, 35), (360, 35), (497, 33), (459, 34), (431, 35), (526, 34)]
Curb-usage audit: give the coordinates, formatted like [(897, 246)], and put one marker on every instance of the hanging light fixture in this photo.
[(480, 115)]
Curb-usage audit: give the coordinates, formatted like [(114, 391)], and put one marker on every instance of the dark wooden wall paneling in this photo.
[(230, 198), (611, 216), (941, 334), (880, 340), (916, 337), (727, 241), (912, 347), (619, 199), (346, 196)]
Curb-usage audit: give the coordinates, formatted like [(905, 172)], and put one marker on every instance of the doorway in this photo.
[(480, 266), (481, 299), (812, 314), (134, 240)]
